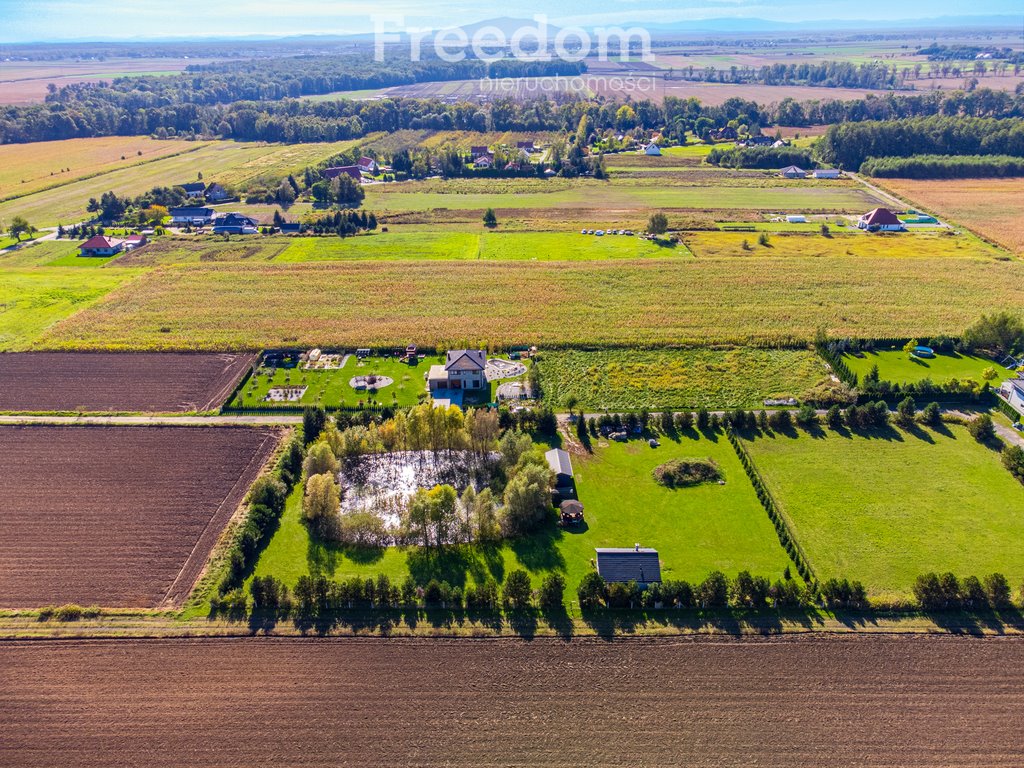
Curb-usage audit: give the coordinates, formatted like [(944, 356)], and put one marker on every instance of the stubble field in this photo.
[(42, 381), (853, 701), (655, 301), (118, 516)]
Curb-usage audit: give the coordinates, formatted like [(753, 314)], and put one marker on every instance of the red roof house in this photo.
[(101, 246), (880, 219)]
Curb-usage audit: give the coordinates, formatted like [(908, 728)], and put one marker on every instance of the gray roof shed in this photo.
[(639, 564)]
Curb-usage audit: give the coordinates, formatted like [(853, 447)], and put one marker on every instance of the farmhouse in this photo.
[(101, 246), (343, 170), (525, 145), (482, 161), (194, 189), (235, 224), (480, 150), (724, 134), (368, 165), (639, 564), (880, 220), (194, 216), (759, 141), (793, 172), (653, 150), (463, 370), (565, 482), (215, 193), (826, 173)]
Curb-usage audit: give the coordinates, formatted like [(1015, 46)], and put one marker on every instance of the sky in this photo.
[(37, 20)]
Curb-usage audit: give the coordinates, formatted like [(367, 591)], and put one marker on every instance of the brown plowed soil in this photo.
[(117, 516), (811, 701), (151, 382)]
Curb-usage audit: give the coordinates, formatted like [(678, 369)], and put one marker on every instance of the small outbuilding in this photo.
[(561, 465), (826, 173), (639, 564), (652, 150)]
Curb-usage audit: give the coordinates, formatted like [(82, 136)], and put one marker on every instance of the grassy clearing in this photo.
[(897, 366), (695, 530), (850, 243), (451, 304), (885, 508), (32, 300), (191, 249), (625, 195), (387, 245), (227, 162), (330, 389), (673, 379)]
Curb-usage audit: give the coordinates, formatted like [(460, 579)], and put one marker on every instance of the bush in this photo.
[(713, 592), (680, 473), (982, 429), (68, 612), (591, 591), (517, 592), (552, 592), (931, 415)]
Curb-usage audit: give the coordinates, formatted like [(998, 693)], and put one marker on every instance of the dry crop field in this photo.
[(994, 208), (44, 381), (118, 516), (655, 301), (25, 82), (810, 701)]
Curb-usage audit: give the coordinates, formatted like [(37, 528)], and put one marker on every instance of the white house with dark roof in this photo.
[(463, 370)]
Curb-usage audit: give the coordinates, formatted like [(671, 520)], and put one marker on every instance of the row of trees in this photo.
[(935, 592), (761, 157), (849, 145), (944, 166)]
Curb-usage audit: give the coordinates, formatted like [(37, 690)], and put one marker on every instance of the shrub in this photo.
[(517, 592), (931, 415), (997, 591), (681, 473), (68, 612), (552, 592), (982, 429), (591, 591), (713, 592)]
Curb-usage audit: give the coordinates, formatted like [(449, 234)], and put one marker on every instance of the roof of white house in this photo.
[(880, 217), (465, 360)]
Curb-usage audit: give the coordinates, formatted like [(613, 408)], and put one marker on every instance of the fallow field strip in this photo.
[(157, 383), (605, 303), (118, 516), (869, 701)]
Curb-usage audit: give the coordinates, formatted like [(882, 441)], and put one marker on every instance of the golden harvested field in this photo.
[(994, 208), (375, 303), (854, 243), (227, 162), (27, 168)]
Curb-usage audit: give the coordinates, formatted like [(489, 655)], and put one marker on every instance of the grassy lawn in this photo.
[(695, 530), (885, 508), (897, 366), (680, 378), (331, 389), (850, 242), (32, 300)]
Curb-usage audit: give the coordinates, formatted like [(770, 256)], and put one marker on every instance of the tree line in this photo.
[(944, 167), (849, 145)]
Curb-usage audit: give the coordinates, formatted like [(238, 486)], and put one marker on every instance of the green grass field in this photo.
[(330, 388), (624, 195), (673, 379), (495, 246), (885, 508), (33, 300), (695, 530), (897, 366)]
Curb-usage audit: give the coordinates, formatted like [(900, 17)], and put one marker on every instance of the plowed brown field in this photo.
[(165, 382), (117, 516), (811, 701)]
